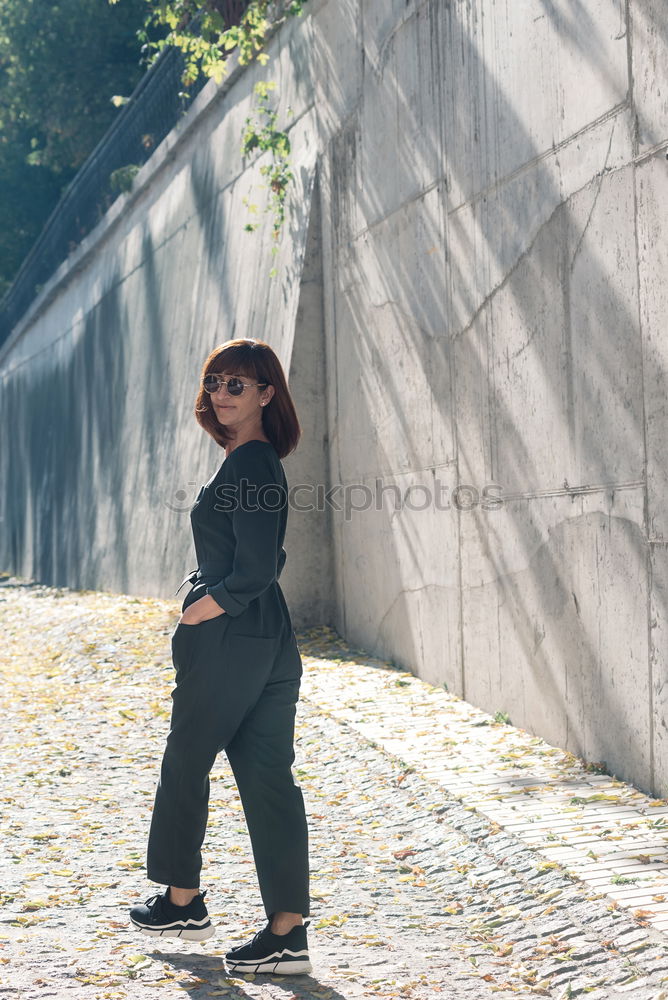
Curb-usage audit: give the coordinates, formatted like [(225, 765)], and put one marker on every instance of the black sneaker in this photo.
[(159, 917), (282, 954)]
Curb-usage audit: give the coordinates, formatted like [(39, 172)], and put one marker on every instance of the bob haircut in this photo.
[(256, 361)]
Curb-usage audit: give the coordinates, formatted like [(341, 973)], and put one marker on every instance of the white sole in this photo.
[(185, 933), (272, 967)]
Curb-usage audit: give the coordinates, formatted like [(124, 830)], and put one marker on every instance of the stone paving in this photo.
[(429, 878), (607, 833)]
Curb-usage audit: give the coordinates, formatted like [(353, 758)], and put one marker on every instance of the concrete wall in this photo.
[(482, 292), (102, 456)]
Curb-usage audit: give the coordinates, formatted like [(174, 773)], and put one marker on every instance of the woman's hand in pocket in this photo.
[(200, 611)]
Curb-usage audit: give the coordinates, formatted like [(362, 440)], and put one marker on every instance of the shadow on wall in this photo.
[(514, 247), (114, 421), (509, 281), (56, 477), (578, 28)]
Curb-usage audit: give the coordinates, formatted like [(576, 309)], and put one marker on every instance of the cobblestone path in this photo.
[(416, 893)]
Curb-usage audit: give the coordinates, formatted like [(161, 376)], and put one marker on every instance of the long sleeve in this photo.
[(257, 514)]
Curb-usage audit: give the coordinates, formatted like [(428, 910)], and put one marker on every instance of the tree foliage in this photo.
[(61, 62), (65, 66), (207, 32)]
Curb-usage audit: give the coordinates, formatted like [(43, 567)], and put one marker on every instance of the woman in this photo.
[(238, 671)]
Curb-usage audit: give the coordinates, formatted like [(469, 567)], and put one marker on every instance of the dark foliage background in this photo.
[(61, 62)]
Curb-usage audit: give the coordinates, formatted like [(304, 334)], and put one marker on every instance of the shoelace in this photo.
[(259, 936)]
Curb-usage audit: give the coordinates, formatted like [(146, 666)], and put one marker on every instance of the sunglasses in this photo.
[(235, 387)]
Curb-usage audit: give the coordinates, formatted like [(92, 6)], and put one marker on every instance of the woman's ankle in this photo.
[(181, 897), (283, 923)]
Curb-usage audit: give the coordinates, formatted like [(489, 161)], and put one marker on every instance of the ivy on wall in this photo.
[(207, 32)]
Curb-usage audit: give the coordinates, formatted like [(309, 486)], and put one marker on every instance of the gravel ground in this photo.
[(416, 893)]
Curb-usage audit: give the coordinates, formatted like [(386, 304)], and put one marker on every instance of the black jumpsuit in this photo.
[(237, 685)]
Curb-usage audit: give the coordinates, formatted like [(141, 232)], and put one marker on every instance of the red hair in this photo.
[(258, 362)]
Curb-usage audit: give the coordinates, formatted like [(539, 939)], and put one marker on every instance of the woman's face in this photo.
[(246, 409)]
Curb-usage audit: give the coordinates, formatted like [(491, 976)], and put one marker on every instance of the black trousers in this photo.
[(235, 692)]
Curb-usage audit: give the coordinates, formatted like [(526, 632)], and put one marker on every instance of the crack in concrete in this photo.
[(595, 200), (525, 253)]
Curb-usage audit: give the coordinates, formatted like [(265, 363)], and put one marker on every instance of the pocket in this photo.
[(189, 628), (181, 651), (204, 621), (200, 638)]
